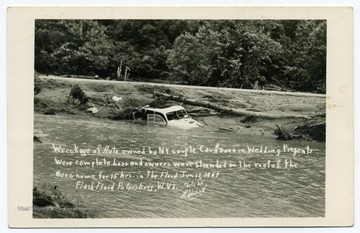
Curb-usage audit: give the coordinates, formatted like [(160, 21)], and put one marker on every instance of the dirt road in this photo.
[(182, 86)]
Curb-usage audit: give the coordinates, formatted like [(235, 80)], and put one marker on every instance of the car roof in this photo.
[(166, 110)]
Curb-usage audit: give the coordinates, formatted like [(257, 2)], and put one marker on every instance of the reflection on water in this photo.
[(234, 192)]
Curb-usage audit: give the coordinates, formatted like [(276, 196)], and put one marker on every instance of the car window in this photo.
[(172, 116), (181, 114), (155, 119)]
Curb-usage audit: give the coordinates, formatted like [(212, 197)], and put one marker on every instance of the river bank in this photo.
[(53, 93), (74, 125)]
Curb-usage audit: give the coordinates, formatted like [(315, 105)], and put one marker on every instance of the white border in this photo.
[(3, 169)]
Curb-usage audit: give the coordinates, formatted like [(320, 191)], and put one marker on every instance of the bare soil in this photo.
[(54, 92)]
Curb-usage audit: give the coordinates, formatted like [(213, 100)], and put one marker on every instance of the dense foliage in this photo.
[(290, 54)]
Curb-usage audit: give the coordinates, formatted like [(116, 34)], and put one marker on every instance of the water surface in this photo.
[(233, 192)]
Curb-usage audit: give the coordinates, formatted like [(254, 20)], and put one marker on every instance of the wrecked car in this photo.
[(174, 116)]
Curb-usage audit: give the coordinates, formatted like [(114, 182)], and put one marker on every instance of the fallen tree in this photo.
[(316, 130), (284, 135), (78, 93), (226, 110)]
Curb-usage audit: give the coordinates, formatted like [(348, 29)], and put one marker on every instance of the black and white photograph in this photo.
[(180, 117)]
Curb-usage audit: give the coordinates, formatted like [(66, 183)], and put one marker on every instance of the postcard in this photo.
[(180, 116)]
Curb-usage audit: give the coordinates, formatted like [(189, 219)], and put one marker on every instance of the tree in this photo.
[(223, 53), (49, 35), (308, 67), (71, 46), (188, 62), (226, 53), (148, 42)]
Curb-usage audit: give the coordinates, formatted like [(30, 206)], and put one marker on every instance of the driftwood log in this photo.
[(284, 135), (316, 130), (226, 110)]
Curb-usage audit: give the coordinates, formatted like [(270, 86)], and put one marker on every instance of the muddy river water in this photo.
[(126, 170)]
